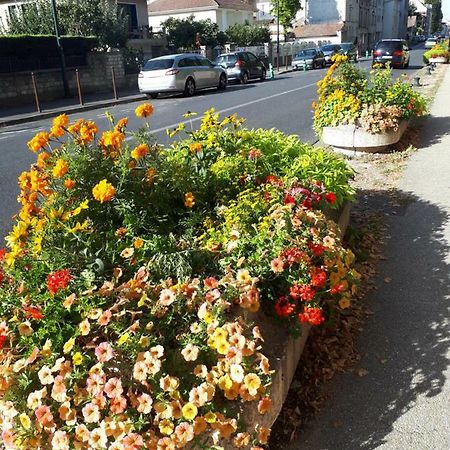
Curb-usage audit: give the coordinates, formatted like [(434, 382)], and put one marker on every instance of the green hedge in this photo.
[(44, 45)]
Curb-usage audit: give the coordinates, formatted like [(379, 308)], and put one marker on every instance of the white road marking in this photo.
[(231, 108)]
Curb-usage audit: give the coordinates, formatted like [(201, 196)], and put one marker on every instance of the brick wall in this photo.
[(16, 88)]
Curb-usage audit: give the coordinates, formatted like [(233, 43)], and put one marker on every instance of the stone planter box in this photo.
[(349, 139), (283, 350), (438, 60)]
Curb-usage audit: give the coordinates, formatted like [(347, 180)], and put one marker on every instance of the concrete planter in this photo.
[(283, 350), (438, 60), (351, 138)]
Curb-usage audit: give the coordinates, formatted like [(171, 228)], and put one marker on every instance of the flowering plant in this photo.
[(439, 50), (347, 95), (120, 293)]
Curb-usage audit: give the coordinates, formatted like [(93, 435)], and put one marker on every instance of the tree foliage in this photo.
[(285, 10), (99, 18), (245, 34), (184, 33)]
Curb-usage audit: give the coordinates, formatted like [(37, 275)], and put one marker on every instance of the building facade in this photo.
[(395, 19)]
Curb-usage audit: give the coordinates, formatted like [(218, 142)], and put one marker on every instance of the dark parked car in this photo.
[(242, 66), (349, 50), (329, 51), (392, 51), (310, 57)]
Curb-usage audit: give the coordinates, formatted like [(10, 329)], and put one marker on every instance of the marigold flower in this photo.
[(144, 110), (121, 124), (87, 131), (138, 243), (140, 151), (58, 280), (39, 141), (59, 124), (103, 191), (189, 200), (69, 183), (60, 169), (150, 175)]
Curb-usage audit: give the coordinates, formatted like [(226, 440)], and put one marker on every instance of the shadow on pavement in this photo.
[(438, 127), (404, 345)]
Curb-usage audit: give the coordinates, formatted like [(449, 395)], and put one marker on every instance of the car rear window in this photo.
[(307, 53), (389, 45), (158, 64), (346, 46), (226, 59), (327, 48)]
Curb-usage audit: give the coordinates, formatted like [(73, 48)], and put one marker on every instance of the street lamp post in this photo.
[(60, 49), (278, 35)]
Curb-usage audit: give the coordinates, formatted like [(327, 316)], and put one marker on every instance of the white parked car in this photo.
[(186, 72), (430, 42)]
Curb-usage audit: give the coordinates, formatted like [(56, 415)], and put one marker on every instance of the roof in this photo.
[(318, 30), (174, 5)]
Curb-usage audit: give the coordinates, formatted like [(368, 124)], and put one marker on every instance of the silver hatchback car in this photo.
[(185, 73)]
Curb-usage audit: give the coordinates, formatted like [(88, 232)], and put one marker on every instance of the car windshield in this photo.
[(389, 45), (158, 64), (346, 46), (329, 48), (308, 52), (223, 59)]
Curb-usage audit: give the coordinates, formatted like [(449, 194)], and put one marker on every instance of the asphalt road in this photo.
[(283, 103)]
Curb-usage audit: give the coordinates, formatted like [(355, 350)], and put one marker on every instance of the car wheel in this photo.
[(153, 95), (263, 75), (244, 78), (222, 82), (189, 88)]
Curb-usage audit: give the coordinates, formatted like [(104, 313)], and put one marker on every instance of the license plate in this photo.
[(387, 57)]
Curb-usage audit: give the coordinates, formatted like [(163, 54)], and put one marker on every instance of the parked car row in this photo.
[(189, 72), (313, 58)]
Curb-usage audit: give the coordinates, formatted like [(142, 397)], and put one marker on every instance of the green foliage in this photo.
[(439, 50), (245, 34), (285, 10), (98, 18), (183, 33)]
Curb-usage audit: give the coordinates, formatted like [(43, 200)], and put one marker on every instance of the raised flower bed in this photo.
[(132, 277), (439, 54), (363, 112)]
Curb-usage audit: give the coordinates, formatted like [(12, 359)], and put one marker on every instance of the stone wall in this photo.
[(17, 89)]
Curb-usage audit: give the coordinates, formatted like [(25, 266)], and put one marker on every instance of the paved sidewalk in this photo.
[(403, 403), (28, 113)]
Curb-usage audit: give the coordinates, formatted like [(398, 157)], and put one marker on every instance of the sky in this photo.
[(446, 9)]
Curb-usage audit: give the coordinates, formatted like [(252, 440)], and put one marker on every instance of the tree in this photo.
[(188, 33), (285, 10), (245, 34), (99, 18), (436, 15)]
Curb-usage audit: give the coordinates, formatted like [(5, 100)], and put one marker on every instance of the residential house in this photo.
[(135, 11), (224, 13)]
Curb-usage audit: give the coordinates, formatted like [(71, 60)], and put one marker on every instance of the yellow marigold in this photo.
[(103, 191), (138, 243), (69, 183), (60, 169), (189, 200), (140, 151), (87, 132), (195, 147), (144, 110), (59, 124), (150, 175), (111, 139), (40, 140), (42, 160), (121, 124)]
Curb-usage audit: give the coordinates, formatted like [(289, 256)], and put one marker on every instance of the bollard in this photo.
[(417, 81), (79, 87), (367, 53), (304, 66), (271, 74), (36, 96), (429, 70), (113, 75)]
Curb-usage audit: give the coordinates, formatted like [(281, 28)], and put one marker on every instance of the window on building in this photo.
[(129, 11)]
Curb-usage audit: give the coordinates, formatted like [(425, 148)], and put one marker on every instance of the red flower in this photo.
[(306, 293), (318, 277), (58, 280), (289, 199), (312, 315), (330, 197), (2, 254), (2, 340), (337, 288), (2, 276), (283, 308), (272, 179), (317, 249), (33, 312), (307, 203), (267, 196), (293, 255)]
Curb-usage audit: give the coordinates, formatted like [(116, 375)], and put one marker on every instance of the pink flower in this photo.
[(91, 413), (113, 388), (104, 318), (60, 441), (94, 384), (118, 405), (8, 439), (104, 352), (145, 403), (277, 265), (167, 297), (133, 441), (44, 416)]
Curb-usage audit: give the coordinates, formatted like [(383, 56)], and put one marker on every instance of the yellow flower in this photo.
[(208, 318), (210, 417), (60, 169), (77, 359), (47, 348), (195, 147), (166, 427), (68, 346), (189, 411), (138, 243), (25, 421), (140, 151), (40, 140), (59, 123), (150, 175), (83, 205), (225, 383), (144, 110), (252, 382), (103, 191), (189, 200), (124, 338)]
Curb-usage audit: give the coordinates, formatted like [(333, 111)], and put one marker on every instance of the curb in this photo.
[(32, 117)]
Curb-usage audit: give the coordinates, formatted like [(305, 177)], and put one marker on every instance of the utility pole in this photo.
[(61, 50), (278, 35)]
